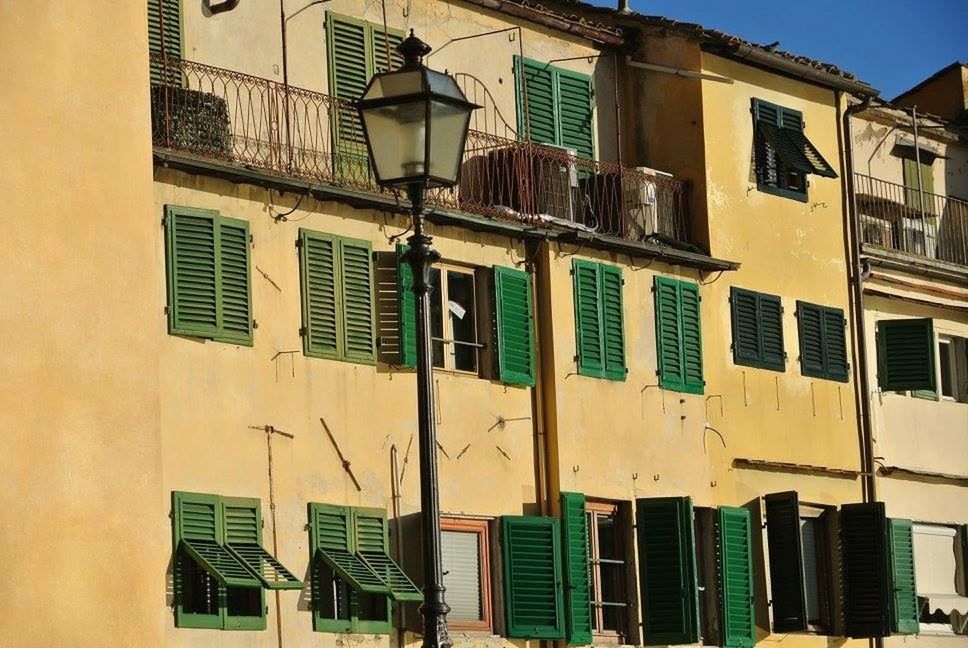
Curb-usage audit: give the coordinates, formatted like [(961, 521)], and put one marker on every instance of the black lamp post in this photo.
[(415, 121)]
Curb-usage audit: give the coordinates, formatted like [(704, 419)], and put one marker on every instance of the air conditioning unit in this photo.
[(641, 202), (556, 184), (877, 231)]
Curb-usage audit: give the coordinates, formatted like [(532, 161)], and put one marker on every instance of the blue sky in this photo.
[(891, 44)]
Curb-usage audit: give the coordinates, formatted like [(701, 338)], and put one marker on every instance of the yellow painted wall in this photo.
[(83, 533)]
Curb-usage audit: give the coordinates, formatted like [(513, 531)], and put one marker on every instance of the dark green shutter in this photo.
[(757, 329), (835, 344), (613, 323), (192, 271), (320, 299), (537, 105), (588, 318), (235, 290), (407, 311), (786, 562), (171, 45), (771, 332), (332, 541), (533, 594), (575, 106), (810, 329), (667, 569), (736, 577), (380, 39), (574, 532), (356, 274), (691, 326), (372, 544), (783, 129), (668, 333), (905, 355), (905, 601), (867, 590), (515, 314)]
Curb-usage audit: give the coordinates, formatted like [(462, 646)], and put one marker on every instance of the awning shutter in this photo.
[(243, 539), (370, 526), (199, 531), (867, 589), (786, 562), (329, 535)]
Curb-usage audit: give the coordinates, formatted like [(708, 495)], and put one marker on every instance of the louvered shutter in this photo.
[(349, 50), (320, 298), (668, 333), (770, 311), (810, 327), (766, 113), (515, 315), (574, 532), (867, 590), (613, 322), (691, 327), (905, 608), (170, 45), (356, 314), (588, 318), (537, 105), (235, 290), (786, 562), (835, 344), (905, 355), (575, 106), (199, 531), (533, 595), (243, 538), (407, 311), (331, 540), (380, 39), (192, 271), (372, 545), (667, 570), (747, 347), (736, 577)]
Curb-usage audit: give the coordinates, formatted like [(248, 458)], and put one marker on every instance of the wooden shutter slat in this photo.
[(330, 536), (192, 239), (667, 570), (736, 574), (242, 518), (235, 290), (867, 591), (668, 333), (320, 301), (905, 355), (407, 312), (372, 545), (515, 314), (170, 10), (905, 609), (532, 577), (786, 561), (588, 318), (613, 322), (747, 347), (574, 532), (356, 285), (770, 311)]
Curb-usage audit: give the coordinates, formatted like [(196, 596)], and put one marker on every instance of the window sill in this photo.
[(759, 365), (782, 193)]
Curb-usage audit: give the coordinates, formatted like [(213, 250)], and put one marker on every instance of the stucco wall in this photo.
[(82, 531)]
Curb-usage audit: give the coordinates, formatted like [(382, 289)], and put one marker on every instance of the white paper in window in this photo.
[(457, 309)]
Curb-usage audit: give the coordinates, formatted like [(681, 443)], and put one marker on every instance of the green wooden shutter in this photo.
[(407, 311), (910, 175), (810, 327), (667, 570), (588, 318), (515, 316), (786, 562), (747, 346), (380, 39), (867, 590), (235, 289), (537, 111), (575, 107), (171, 45), (331, 539), (350, 59), (613, 322), (835, 344), (905, 355), (243, 538), (533, 596), (905, 601), (372, 544), (766, 112), (574, 533), (320, 298), (356, 287), (691, 326), (736, 577), (770, 310), (668, 333), (191, 237)]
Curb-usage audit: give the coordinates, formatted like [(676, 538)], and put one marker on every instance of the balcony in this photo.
[(260, 124), (893, 217)]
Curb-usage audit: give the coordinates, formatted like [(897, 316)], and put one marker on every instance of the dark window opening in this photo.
[(198, 589)]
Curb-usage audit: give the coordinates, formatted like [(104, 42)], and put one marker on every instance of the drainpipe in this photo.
[(544, 395), (917, 160), (856, 275)]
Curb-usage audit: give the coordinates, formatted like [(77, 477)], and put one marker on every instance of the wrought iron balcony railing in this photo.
[(262, 124), (899, 218)]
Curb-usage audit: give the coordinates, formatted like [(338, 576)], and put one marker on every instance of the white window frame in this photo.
[(448, 329)]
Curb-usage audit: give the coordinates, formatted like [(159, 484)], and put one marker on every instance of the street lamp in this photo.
[(415, 121)]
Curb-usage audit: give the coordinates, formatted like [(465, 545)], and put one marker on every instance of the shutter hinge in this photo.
[(255, 324), (251, 240), (782, 310), (165, 309), (623, 282), (785, 356), (164, 220), (845, 322), (299, 243), (302, 331)]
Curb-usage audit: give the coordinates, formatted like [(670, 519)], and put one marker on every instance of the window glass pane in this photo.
[(461, 557), (436, 317), (811, 582), (243, 601), (934, 559), (460, 298), (946, 348), (198, 590)]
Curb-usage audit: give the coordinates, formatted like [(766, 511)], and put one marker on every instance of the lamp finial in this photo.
[(413, 50)]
